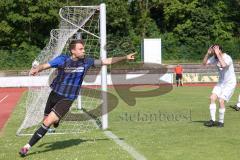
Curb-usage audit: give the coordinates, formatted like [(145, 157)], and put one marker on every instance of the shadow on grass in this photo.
[(205, 123), (198, 122), (62, 145)]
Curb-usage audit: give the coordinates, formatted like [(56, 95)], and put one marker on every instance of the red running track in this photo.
[(8, 100)]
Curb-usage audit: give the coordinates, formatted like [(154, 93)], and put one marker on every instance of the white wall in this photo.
[(26, 81)]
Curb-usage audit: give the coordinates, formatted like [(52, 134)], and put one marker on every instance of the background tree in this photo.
[(186, 27)]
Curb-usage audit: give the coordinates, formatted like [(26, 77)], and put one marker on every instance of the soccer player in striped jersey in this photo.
[(66, 85)]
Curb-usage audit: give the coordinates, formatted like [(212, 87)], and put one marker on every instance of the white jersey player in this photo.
[(225, 87)]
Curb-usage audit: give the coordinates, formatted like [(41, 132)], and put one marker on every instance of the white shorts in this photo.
[(224, 91)]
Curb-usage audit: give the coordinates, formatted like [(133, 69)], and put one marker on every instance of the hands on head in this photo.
[(210, 50), (214, 49)]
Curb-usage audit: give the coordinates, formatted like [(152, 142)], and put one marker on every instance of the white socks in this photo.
[(212, 108), (27, 146), (238, 104), (221, 114)]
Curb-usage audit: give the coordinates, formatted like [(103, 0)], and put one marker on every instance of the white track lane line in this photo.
[(132, 151), (3, 98)]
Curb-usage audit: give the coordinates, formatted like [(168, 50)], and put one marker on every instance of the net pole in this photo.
[(103, 54), (79, 101)]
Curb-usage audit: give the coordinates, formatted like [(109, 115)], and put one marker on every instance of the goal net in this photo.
[(77, 22)]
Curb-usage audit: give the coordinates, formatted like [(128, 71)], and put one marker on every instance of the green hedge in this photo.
[(18, 58), (172, 49)]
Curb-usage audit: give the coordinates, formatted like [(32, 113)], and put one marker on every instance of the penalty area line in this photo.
[(132, 151), (3, 98)]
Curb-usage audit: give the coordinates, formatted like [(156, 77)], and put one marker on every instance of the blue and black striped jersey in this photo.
[(70, 75)]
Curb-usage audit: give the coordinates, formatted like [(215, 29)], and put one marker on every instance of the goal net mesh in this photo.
[(76, 23)]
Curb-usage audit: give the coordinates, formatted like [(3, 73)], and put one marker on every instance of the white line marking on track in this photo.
[(3, 98), (132, 151)]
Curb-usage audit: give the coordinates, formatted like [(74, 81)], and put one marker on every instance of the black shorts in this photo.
[(60, 105), (178, 76)]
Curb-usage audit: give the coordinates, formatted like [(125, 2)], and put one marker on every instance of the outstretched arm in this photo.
[(113, 60), (35, 70)]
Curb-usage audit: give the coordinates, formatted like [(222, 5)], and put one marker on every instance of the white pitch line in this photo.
[(132, 151), (3, 98)]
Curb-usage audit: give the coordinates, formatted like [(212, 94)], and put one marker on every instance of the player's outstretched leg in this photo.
[(51, 118), (35, 138)]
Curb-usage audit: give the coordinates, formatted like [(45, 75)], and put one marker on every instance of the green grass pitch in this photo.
[(168, 127)]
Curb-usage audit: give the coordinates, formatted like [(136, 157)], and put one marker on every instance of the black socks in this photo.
[(38, 135)]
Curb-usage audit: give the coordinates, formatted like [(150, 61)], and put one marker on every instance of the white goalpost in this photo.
[(103, 52), (77, 22)]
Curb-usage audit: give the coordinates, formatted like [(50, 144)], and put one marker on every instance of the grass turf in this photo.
[(166, 127)]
